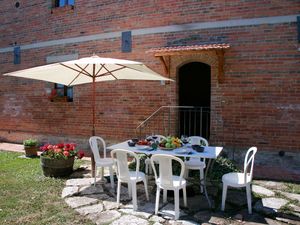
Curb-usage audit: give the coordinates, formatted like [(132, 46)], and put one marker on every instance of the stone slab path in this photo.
[(98, 203)]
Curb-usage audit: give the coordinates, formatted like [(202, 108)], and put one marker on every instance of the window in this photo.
[(64, 91), (61, 92), (61, 3)]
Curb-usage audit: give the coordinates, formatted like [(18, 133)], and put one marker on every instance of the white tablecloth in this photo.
[(210, 152)]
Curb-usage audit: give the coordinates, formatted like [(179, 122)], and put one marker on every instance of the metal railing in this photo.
[(177, 120)]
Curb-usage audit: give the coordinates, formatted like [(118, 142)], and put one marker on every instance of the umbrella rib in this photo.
[(78, 75), (99, 70), (75, 69), (83, 69), (110, 72)]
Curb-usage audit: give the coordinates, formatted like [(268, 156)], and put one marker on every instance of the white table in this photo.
[(210, 152)]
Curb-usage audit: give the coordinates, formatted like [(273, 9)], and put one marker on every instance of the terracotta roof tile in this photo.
[(188, 48)]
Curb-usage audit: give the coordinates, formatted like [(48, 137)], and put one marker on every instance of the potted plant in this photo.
[(30, 147), (54, 97), (58, 160)]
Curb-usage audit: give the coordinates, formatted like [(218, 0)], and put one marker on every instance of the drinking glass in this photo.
[(184, 139)]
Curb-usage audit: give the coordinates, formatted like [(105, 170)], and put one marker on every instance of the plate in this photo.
[(198, 148), (166, 149), (143, 147), (183, 151)]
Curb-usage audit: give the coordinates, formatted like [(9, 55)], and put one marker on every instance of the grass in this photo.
[(293, 188), (27, 197)]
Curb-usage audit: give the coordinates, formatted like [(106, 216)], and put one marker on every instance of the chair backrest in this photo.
[(159, 137), (165, 168), (197, 140), (94, 141), (249, 162), (121, 161)]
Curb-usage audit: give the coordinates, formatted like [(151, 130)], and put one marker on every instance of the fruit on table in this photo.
[(170, 142), (143, 142)]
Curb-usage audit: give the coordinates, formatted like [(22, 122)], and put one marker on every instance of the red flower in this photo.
[(60, 145), (80, 154), (67, 154), (53, 94), (57, 150), (61, 151)]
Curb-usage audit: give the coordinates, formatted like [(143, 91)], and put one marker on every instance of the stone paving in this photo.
[(271, 204)]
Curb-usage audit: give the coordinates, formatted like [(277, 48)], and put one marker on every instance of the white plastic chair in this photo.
[(239, 180), (195, 163), (126, 176), (167, 181), (101, 162), (148, 168)]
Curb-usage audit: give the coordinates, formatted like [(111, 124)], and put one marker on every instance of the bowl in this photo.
[(131, 143), (135, 140), (198, 148)]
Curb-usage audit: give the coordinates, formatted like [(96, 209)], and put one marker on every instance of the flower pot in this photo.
[(57, 167), (30, 151)]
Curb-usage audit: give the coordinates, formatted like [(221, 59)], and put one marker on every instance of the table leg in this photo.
[(203, 184), (207, 168)]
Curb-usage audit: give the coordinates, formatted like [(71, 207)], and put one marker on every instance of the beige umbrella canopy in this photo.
[(89, 70)]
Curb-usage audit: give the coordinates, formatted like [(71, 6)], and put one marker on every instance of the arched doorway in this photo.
[(195, 90)]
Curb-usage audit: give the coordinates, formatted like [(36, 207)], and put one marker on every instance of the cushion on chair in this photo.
[(235, 179)]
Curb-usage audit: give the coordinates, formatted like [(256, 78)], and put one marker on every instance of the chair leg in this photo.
[(201, 180), (184, 197), (129, 190), (224, 196), (165, 192), (249, 200), (146, 188), (176, 196), (157, 200), (150, 169), (186, 173), (118, 192), (147, 166), (102, 172), (111, 174), (134, 196), (95, 176)]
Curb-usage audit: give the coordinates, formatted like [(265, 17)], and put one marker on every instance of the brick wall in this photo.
[(258, 104)]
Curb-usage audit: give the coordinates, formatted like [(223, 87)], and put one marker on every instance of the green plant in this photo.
[(30, 142), (220, 167), (132, 164)]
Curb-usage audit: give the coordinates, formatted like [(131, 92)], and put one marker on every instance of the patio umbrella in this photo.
[(89, 70)]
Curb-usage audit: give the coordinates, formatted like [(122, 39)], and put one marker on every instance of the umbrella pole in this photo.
[(94, 130)]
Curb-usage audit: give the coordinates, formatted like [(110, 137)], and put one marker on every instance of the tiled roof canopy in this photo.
[(164, 54), (170, 50)]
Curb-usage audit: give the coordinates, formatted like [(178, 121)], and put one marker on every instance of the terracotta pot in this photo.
[(57, 167), (31, 151)]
